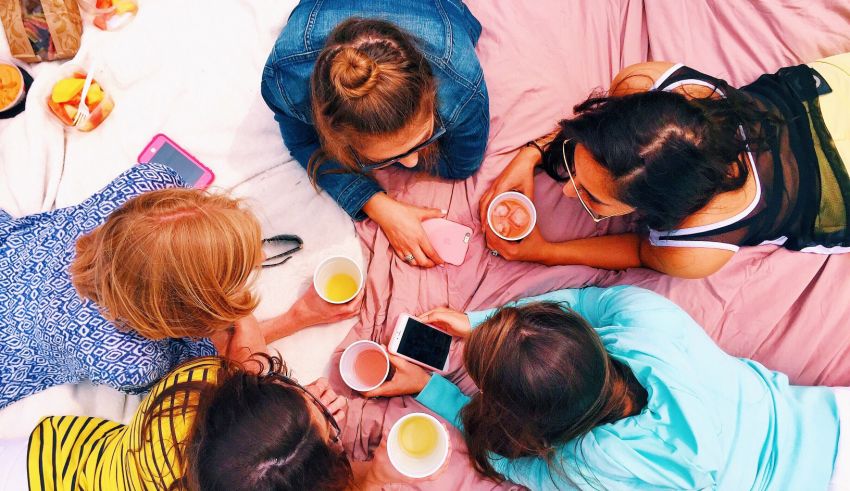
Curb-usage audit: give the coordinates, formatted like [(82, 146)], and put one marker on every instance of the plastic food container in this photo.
[(110, 15), (64, 99)]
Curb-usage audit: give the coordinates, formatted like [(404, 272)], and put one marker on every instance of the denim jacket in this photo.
[(447, 32)]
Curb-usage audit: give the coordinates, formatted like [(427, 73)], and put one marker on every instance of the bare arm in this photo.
[(614, 252)]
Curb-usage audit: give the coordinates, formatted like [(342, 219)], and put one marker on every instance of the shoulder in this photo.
[(639, 77), (684, 262)]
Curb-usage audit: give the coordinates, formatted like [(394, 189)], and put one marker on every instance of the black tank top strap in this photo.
[(679, 75)]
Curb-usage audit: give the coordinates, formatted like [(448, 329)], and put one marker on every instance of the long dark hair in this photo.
[(371, 78), (249, 432), (669, 155), (544, 379)]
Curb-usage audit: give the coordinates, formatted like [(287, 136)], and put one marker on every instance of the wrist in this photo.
[(376, 204)]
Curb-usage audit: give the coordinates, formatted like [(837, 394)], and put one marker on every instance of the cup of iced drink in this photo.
[(511, 215), (364, 365)]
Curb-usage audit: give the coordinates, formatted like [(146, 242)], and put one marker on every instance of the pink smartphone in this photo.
[(163, 150), (420, 343), (450, 239)]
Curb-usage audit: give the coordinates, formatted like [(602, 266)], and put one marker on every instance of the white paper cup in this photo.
[(333, 266), (349, 358), (417, 467), (532, 211)]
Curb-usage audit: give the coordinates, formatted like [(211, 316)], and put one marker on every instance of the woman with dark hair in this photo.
[(620, 389), (706, 167), (209, 425), (354, 92)]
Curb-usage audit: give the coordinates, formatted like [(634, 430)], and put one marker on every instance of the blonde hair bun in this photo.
[(353, 73)]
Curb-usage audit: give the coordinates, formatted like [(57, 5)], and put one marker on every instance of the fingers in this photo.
[(430, 251), (337, 407), (386, 388), (421, 259), (398, 362), (426, 213)]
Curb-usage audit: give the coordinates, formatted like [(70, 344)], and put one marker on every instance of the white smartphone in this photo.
[(420, 343)]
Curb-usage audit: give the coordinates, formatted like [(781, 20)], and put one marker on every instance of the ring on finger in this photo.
[(409, 258), (494, 252)]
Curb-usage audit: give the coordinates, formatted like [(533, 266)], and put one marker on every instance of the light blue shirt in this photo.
[(712, 421)]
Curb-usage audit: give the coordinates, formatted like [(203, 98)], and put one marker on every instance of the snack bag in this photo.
[(42, 30)]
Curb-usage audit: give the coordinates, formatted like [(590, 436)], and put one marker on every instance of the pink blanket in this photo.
[(784, 309)]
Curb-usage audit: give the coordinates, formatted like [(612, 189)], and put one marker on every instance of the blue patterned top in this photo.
[(51, 336)]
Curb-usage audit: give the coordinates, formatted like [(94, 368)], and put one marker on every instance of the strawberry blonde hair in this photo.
[(370, 79), (171, 263)]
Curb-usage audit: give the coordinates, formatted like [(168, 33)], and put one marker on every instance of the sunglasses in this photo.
[(570, 167), (337, 434), (273, 244), (438, 132)]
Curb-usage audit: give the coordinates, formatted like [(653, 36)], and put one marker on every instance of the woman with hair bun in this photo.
[(361, 87)]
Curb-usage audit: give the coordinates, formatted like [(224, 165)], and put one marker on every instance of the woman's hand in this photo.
[(336, 404), (402, 224), (309, 310), (453, 322), (408, 379), (533, 248), (517, 176), (241, 341)]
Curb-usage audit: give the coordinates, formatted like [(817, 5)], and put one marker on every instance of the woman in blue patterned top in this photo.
[(143, 301)]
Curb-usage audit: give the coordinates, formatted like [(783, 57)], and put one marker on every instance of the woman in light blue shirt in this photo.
[(620, 389)]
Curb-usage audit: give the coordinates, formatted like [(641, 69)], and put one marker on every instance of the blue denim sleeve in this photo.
[(462, 148), (351, 191)]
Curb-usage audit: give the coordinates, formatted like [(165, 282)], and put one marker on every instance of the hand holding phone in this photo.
[(449, 239), (420, 343), (163, 150)]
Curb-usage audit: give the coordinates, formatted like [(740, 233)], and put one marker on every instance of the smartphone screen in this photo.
[(425, 344), (166, 154)]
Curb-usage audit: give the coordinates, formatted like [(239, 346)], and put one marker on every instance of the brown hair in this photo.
[(544, 379), (171, 263), (248, 432), (370, 79)]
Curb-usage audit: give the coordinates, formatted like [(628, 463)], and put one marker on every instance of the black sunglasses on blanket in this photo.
[(272, 246)]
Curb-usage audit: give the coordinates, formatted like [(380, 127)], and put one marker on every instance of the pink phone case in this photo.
[(156, 142), (450, 239)]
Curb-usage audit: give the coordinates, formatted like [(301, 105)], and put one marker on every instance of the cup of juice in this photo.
[(338, 279), (511, 215), (418, 445), (364, 365)]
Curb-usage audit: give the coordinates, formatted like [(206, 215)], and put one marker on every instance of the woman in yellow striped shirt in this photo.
[(209, 425)]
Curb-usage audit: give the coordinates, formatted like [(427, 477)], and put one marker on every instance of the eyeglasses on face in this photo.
[(337, 431), (570, 167), (273, 244), (438, 132)]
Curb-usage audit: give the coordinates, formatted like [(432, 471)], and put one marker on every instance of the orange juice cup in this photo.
[(338, 279), (418, 445)]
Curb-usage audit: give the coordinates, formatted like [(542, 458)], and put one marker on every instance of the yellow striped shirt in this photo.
[(82, 453)]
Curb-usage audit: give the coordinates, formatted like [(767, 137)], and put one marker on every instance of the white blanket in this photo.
[(190, 69)]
